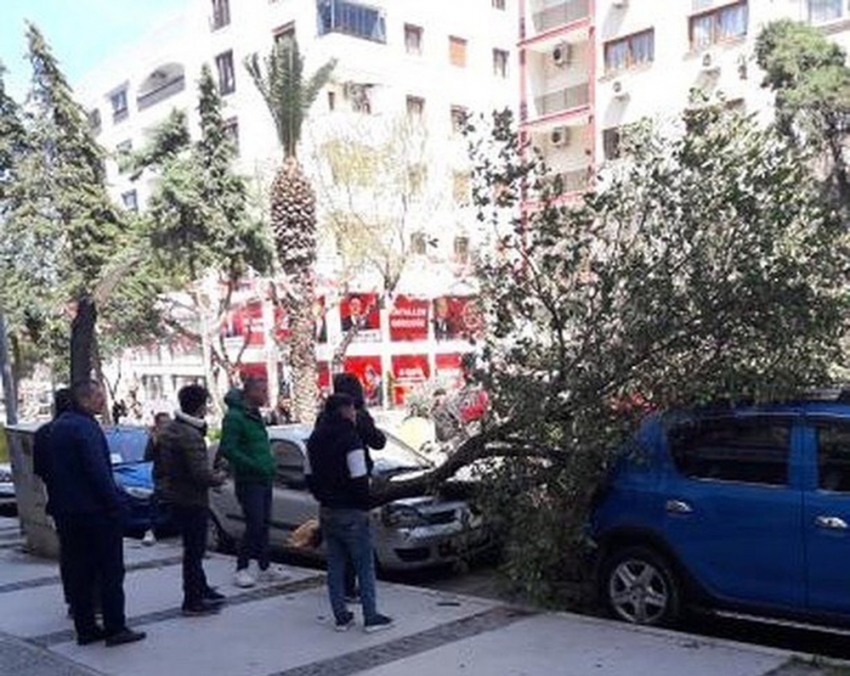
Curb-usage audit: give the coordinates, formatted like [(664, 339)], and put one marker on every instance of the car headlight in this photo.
[(138, 492), (402, 516)]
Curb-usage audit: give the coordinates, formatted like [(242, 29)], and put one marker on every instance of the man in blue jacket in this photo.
[(88, 510)]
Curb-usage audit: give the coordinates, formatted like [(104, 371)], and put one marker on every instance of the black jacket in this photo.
[(337, 474), (182, 466)]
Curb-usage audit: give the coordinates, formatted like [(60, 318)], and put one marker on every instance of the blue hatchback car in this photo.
[(742, 510)]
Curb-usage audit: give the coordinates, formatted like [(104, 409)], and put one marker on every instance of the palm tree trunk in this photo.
[(302, 352)]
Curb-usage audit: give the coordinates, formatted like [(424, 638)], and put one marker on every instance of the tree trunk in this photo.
[(9, 389), (82, 339), (302, 352), (99, 377)]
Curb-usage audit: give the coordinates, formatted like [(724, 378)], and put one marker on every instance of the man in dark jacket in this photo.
[(62, 403), (245, 445), (339, 479), (88, 510), (185, 478), (372, 437)]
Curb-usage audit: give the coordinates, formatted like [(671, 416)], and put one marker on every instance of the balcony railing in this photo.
[(561, 15), (351, 18), (563, 100), (154, 96)]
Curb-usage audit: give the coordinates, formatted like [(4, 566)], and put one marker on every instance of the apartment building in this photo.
[(589, 68), (429, 63)]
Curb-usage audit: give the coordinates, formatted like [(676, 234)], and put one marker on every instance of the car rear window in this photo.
[(745, 450), (834, 457)]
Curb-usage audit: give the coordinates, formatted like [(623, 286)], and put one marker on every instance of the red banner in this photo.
[(409, 370), (409, 319), (281, 322), (450, 367), (457, 318), (244, 322), (361, 310), (368, 372)]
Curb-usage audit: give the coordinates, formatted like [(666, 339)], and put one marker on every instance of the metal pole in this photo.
[(8, 383)]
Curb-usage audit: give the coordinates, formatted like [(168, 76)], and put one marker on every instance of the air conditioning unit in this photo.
[(560, 137), (562, 55), (620, 3), (709, 63), (621, 91)]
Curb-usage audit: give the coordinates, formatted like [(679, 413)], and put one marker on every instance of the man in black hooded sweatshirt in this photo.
[(338, 478), (371, 436)]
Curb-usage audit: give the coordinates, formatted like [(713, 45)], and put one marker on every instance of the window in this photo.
[(457, 52), (221, 13), (130, 200), (417, 174), (284, 35), (360, 96), (418, 243), (821, 11), (631, 51), (412, 39), (415, 108), (458, 119), (498, 4), (226, 74), (461, 189), (94, 121), (834, 457), (231, 129), (611, 143), (461, 250), (749, 450), (724, 23), (331, 100), (122, 152), (351, 18), (500, 63), (289, 465), (119, 105)]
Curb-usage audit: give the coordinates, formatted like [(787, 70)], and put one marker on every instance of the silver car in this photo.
[(408, 534), (7, 486)]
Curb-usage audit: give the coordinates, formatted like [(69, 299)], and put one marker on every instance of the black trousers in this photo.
[(193, 522), (93, 551)]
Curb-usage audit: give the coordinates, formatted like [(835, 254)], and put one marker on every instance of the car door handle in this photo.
[(831, 522), (678, 507)]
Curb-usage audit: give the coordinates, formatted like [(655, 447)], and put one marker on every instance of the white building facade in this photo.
[(589, 68), (423, 64)]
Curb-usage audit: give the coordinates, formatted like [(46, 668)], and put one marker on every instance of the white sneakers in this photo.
[(248, 577), (150, 539), (273, 574), (244, 578)]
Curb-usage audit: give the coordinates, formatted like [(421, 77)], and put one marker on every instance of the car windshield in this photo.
[(126, 444), (397, 458)]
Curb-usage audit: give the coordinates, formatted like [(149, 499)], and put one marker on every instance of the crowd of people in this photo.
[(72, 457)]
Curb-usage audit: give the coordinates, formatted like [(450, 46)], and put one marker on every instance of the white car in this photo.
[(407, 534), (7, 486)]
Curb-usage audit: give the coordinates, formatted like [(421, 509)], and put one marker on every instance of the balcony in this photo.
[(561, 15), (573, 181), (563, 100), (351, 18), (154, 96)]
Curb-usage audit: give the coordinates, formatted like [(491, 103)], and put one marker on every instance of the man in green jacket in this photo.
[(245, 445)]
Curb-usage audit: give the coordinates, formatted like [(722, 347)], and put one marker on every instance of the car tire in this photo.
[(639, 586), (217, 539)]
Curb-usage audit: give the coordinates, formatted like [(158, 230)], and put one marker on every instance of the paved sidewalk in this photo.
[(286, 630)]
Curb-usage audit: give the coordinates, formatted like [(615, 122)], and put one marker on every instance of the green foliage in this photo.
[(197, 217), (705, 267), (280, 81), (811, 81)]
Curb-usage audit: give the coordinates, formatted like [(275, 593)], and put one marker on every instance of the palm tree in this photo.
[(289, 97)]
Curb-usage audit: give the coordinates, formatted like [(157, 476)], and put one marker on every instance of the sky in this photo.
[(82, 33)]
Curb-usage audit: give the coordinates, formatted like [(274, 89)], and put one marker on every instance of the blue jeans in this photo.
[(348, 536), (256, 502)]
